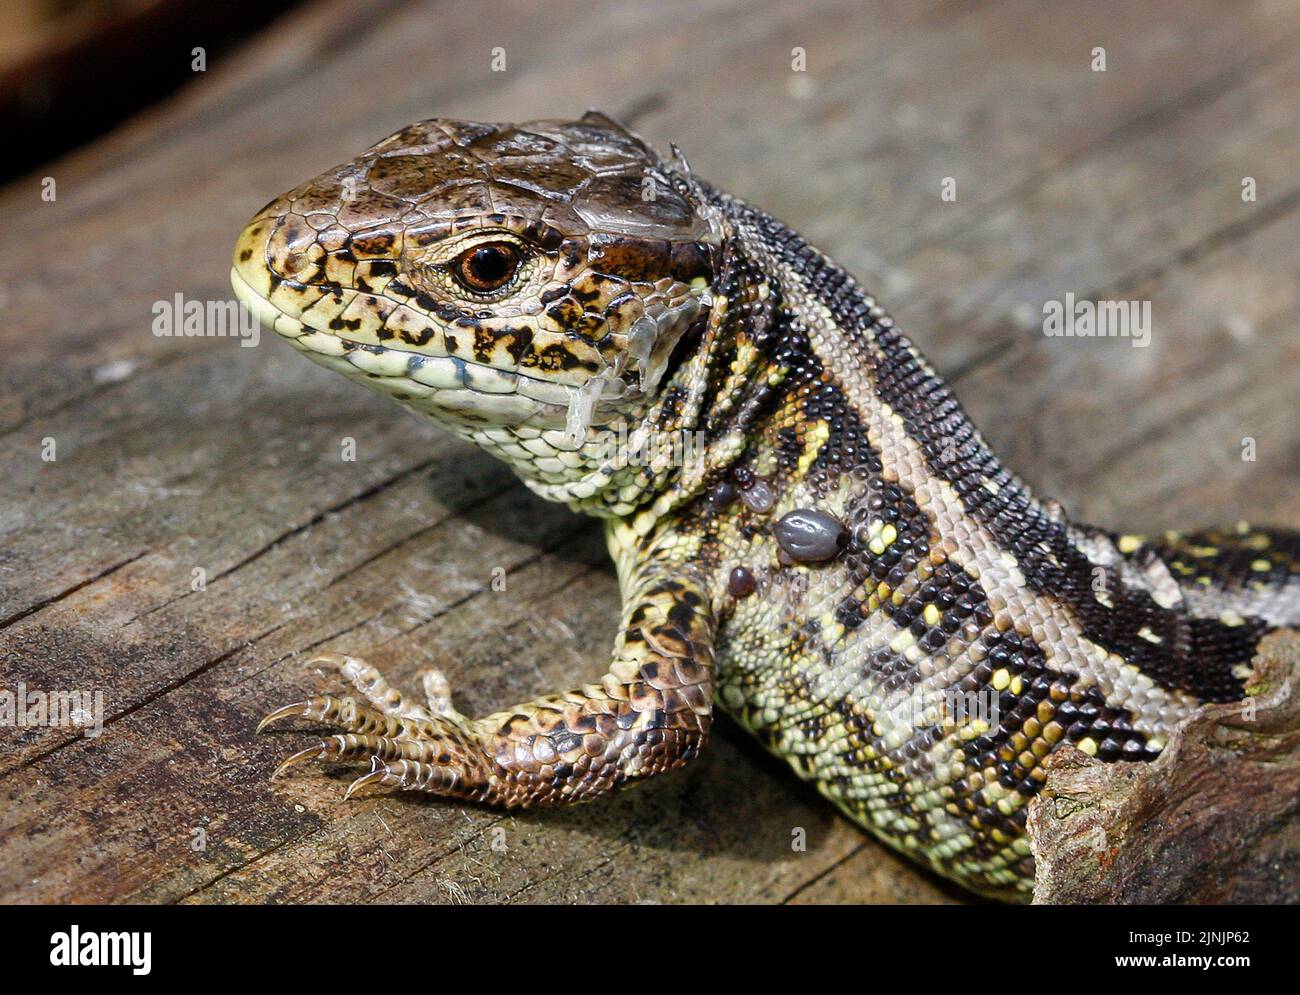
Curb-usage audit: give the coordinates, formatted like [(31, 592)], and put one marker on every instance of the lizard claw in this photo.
[(375, 775), (301, 757), (346, 713), (351, 747), (284, 712)]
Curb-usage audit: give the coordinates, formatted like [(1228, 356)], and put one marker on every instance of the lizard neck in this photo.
[(725, 375)]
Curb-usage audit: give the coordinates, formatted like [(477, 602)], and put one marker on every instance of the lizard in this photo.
[(809, 534)]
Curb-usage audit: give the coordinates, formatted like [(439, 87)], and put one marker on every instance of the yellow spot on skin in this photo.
[(1263, 566), (817, 434), (931, 615), (901, 641), (1129, 544), (1001, 679), (1231, 618), (1088, 745), (1149, 636), (881, 536), (1017, 685)]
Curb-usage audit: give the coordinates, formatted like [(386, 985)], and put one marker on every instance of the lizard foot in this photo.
[(410, 746), (649, 713)]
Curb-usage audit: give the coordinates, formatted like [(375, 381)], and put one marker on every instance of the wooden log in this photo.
[(1214, 819)]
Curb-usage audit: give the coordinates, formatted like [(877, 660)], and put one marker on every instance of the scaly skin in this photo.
[(661, 355)]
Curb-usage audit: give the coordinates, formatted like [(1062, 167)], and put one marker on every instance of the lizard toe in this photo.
[(346, 713)]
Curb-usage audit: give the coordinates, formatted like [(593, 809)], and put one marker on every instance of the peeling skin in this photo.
[(582, 406)]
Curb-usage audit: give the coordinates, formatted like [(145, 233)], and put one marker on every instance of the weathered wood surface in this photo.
[(1221, 804), (177, 454)]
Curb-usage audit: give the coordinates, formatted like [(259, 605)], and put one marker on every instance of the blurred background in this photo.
[(72, 69)]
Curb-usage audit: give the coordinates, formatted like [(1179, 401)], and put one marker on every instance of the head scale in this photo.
[(529, 286)]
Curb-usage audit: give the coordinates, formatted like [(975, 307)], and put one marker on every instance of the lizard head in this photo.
[(528, 286)]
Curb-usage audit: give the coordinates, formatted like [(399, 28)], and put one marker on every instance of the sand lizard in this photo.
[(808, 531)]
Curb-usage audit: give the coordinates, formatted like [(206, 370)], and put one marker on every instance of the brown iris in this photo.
[(486, 267)]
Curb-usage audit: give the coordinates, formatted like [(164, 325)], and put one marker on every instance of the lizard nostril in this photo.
[(295, 264), (292, 248)]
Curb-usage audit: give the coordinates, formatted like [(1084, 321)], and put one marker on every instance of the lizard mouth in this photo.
[(449, 389)]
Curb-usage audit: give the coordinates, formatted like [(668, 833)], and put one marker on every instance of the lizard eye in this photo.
[(486, 267)]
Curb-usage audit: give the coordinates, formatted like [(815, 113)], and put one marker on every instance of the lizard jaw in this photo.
[(459, 391), (448, 389)]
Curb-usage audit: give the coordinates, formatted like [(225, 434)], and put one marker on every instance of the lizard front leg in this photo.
[(649, 713)]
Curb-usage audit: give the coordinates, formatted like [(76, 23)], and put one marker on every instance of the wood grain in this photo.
[(183, 454)]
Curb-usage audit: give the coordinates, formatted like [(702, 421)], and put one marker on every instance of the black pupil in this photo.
[(491, 264)]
